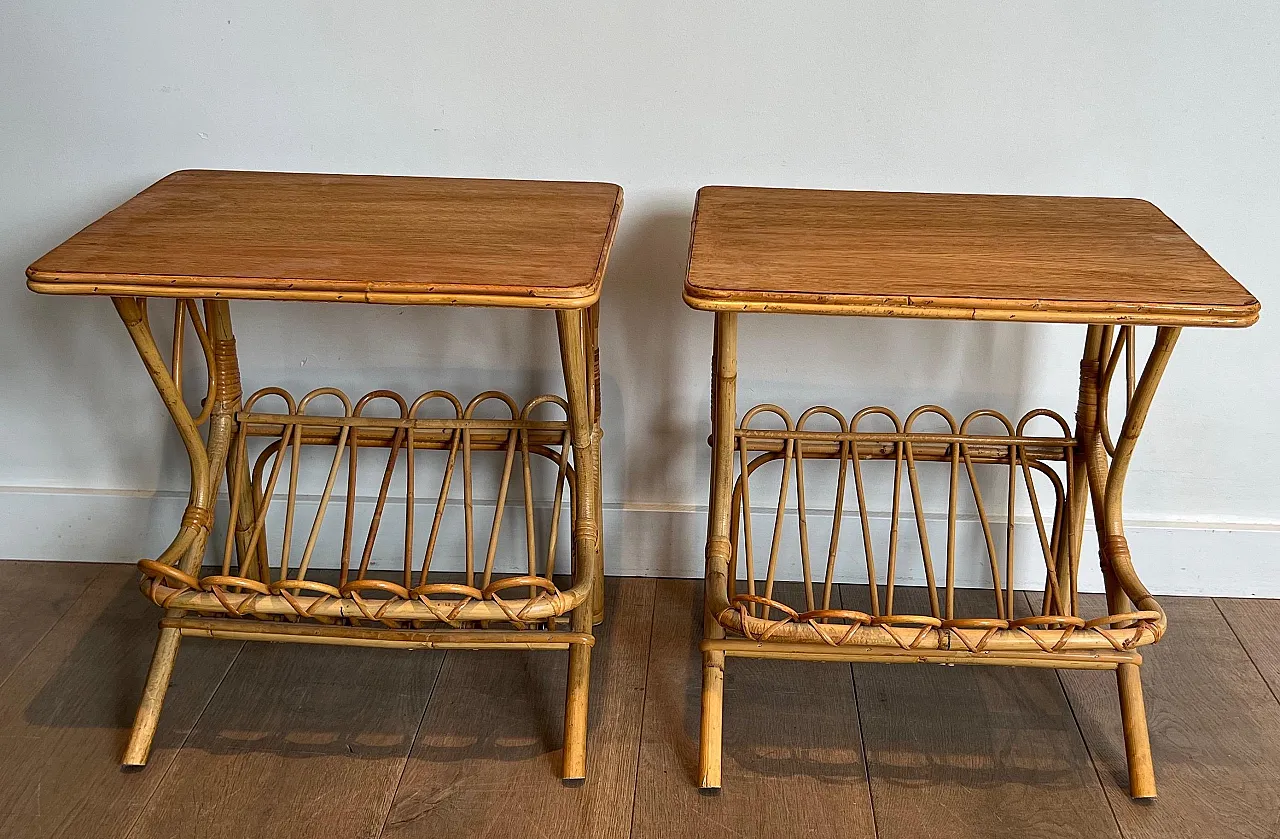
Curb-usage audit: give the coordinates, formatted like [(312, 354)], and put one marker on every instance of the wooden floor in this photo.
[(284, 740)]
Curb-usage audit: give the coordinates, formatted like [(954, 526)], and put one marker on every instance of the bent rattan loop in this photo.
[(446, 612), (1132, 630), (288, 590), (513, 582), (237, 604), (550, 593), (1126, 618), (816, 616), (155, 591), (159, 571), (924, 625), (222, 581), (1068, 623), (742, 601), (963, 629), (374, 611)]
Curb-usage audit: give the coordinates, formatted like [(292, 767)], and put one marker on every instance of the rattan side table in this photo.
[(215, 236), (1113, 264)]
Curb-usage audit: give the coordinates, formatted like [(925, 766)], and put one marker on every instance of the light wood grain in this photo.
[(33, 596), (349, 238), (65, 713), (308, 740), (792, 753), (985, 257), (1215, 732), (1251, 621), (487, 760), (984, 750)]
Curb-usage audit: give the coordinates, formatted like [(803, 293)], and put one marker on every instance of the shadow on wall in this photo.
[(646, 327)]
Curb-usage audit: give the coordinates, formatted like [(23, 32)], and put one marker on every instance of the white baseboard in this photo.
[(1184, 557)]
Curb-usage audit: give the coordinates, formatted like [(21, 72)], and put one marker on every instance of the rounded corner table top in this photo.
[(345, 238), (975, 257)]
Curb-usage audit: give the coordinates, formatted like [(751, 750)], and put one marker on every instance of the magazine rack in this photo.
[(212, 236), (1113, 264)]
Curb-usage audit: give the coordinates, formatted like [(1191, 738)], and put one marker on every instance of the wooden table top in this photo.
[(350, 238), (975, 257)]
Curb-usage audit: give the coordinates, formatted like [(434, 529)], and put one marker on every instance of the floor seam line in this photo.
[(75, 601), (644, 707), (866, 759), (862, 734), (404, 767), (1088, 749), (1247, 654), (1093, 761), (164, 776)]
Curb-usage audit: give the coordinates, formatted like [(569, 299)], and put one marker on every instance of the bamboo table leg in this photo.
[(1108, 464), (207, 462), (723, 419), (576, 348)]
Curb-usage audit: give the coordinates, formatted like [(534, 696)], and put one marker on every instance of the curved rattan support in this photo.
[(207, 459), (1106, 465)]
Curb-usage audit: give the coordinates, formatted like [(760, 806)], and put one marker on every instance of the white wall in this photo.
[(1178, 102)]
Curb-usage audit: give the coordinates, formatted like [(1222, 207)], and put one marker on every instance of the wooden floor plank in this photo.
[(973, 751), (486, 762), (66, 711), (313, 740), (33, 596), (1252, 621), (1215, 732), (299, 741), (793, 761)]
